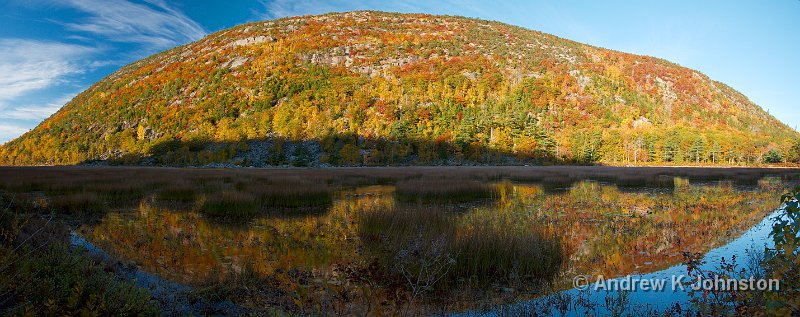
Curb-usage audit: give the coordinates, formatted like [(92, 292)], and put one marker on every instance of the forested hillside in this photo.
[(371, 88)]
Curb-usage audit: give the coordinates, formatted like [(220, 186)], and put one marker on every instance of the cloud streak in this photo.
[(30, 65), (9, 131), (36, 112), (34, 72), (152, 23)]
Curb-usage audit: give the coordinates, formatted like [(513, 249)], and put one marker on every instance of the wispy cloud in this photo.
[(31, 112), (36, 112), (9, 131), (30, 65), (34, 72), (152, 23)]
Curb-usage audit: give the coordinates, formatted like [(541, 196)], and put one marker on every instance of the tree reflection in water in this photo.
[(600, 228)]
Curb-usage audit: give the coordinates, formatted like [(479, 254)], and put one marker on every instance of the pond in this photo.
[(523, 244), (598, 297)]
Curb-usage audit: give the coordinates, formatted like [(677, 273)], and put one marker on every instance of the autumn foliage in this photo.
[(370, 88)]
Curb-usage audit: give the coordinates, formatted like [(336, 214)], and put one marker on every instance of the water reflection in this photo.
[(614, 233), (186, 246), (603, 229)]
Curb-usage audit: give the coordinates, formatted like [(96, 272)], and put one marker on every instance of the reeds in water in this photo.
[(447, 190), (483, 246), (293, 194), (230, 204), (178, 194), (77, 204)]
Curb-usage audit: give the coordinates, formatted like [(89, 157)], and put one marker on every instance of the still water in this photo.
[(606, 230), (599, 297)]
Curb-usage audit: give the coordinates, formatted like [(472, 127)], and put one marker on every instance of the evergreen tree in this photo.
[(714, 152), (302, 156), (670, 150), (773, 156), (698, 149), (794, 152)]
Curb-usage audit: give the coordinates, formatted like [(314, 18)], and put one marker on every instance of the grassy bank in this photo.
[(41, 275)]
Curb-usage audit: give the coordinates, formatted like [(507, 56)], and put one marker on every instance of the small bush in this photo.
[(772, 157)]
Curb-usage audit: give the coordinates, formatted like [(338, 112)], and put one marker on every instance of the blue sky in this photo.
[(51, 50)]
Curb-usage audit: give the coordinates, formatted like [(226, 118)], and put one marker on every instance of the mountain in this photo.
[(373, 88)]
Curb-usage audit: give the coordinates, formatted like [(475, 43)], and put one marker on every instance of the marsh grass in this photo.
[(302, 187), (117, 194), (299, 194), (179, 194), (644, 181), (448, 190), (557, 183), (41, 275), (58, 189), (80, 204), (486, 247), (381, 225), (230, 204), (498, 247), (21, 203)]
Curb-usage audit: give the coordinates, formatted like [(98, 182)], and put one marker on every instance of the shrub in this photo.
[(60, 281), (773, 156), (783, 262)]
